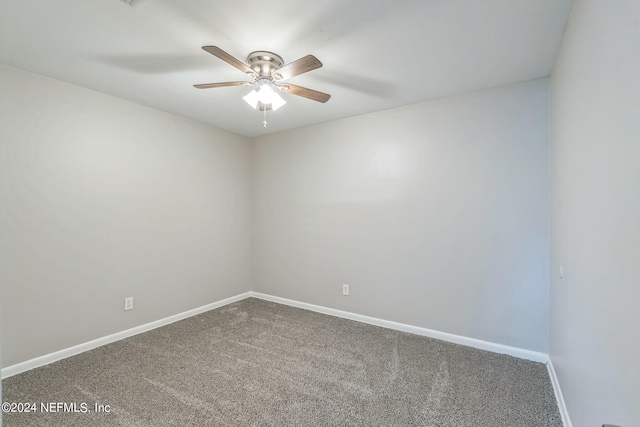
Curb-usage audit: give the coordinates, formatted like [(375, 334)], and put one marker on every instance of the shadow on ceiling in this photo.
[(155, 63), (362, 84)]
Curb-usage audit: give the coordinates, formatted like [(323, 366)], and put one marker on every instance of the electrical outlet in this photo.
[(345, 290), (128, 303)]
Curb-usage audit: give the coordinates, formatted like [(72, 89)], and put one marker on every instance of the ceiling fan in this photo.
[(268, 72)]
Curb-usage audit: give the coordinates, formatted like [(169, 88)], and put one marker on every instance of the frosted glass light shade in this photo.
[(252, 98), (265, 95), (277, 101)]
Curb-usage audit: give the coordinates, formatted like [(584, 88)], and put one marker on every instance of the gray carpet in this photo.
[(259, 363)]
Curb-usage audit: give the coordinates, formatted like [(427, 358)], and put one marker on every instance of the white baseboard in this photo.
[(457, 339), (556, 389), (80, 348)]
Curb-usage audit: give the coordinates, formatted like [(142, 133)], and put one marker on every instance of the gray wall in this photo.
[(595, 213), (435, 214), (104, 199)]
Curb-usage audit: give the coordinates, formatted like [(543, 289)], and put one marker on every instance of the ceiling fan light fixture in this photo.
[(266, 96)]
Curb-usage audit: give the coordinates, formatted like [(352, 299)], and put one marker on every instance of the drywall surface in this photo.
[(595, 214), (435, 214), (104, 199)]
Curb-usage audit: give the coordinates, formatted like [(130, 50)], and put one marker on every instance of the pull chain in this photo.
[(264, 121)]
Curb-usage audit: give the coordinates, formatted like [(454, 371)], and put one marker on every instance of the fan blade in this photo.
[(297, 67), (216, 51), (307, 93), (221, 84)]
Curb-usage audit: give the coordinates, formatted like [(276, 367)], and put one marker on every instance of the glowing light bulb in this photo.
[(266, 94)]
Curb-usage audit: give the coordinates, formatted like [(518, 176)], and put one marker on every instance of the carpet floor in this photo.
[(257, 363)]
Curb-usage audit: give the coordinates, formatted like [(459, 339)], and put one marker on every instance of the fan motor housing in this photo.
[(263, 62)]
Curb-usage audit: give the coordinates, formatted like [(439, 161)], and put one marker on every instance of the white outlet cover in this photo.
[(345, 289), (128, 303)]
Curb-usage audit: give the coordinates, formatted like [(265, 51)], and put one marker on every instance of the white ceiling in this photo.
[(377, 54)]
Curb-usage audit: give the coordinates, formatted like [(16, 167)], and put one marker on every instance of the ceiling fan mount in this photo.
[(264, 63)]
